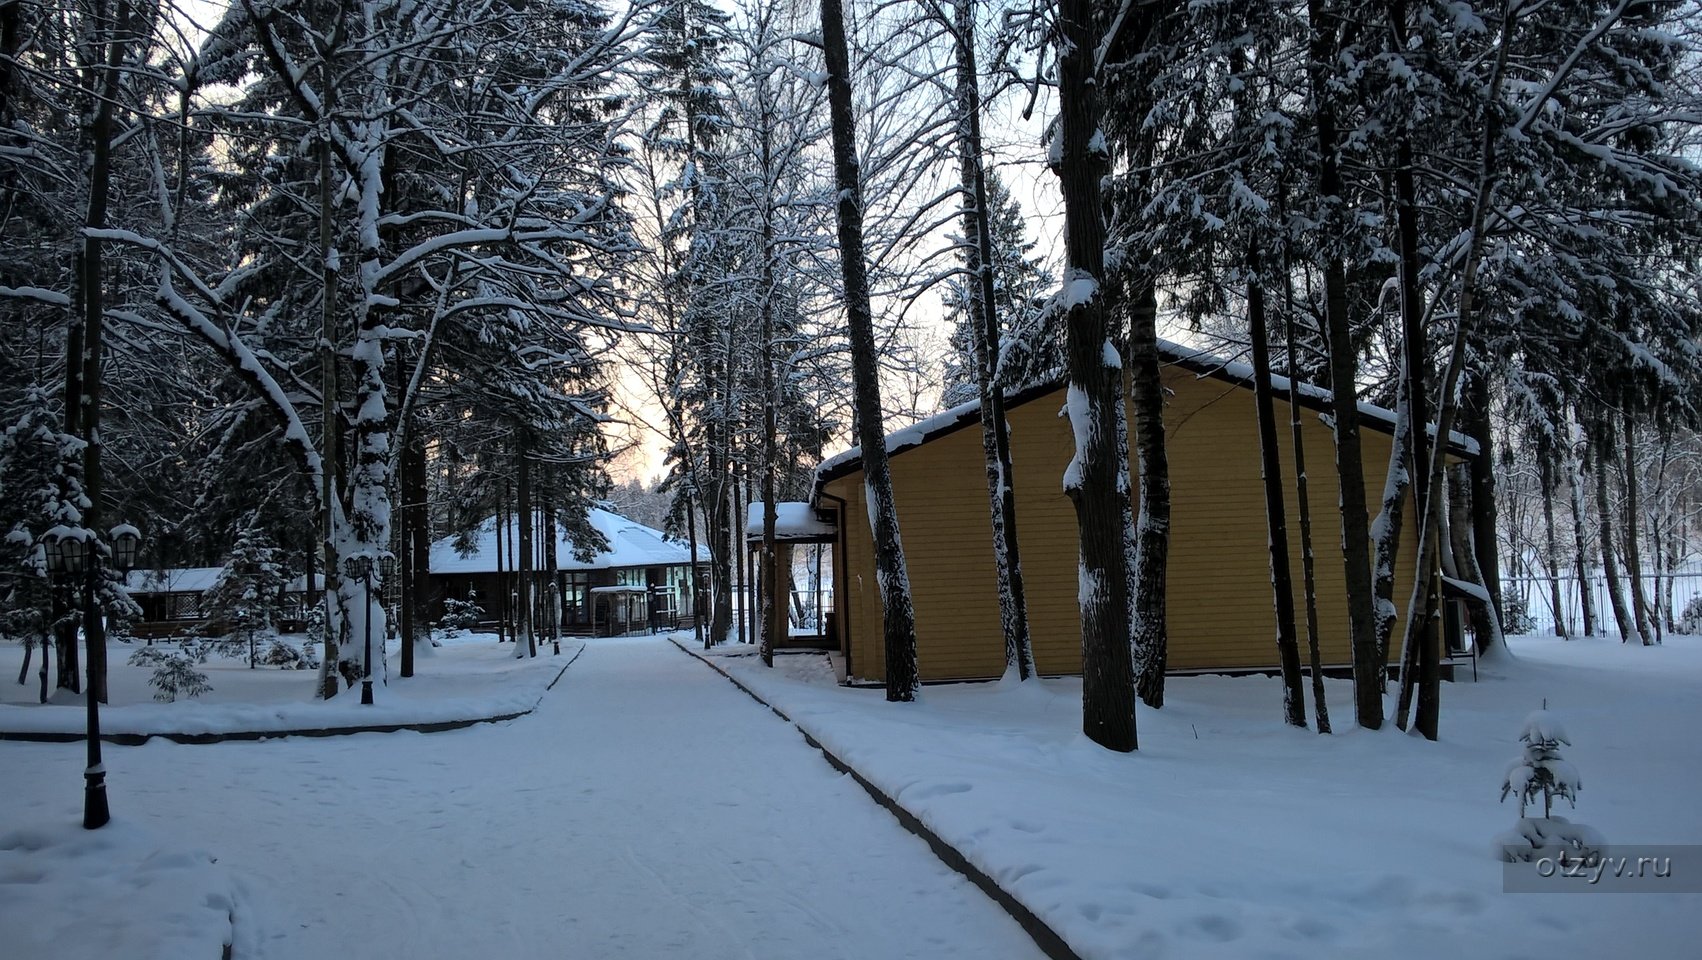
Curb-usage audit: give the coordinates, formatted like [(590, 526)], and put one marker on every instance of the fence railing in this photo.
[(1677, 589)]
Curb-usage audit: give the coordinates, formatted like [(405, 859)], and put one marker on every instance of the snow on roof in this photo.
[(196, 580), (631, 544), (792, 521), (1202, 363), (172, 580)]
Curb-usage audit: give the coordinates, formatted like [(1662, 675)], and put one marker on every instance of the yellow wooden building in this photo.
[(1219, 596)]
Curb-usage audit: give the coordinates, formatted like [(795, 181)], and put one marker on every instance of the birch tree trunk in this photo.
[(898, 618), (983, 312)]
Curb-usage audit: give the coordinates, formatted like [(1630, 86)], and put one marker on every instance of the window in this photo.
[(576, 599)]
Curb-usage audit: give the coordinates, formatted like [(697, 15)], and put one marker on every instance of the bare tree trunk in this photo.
[(1586, 589), (1551, 553), (1386, 530), (1097, 479), (898, 617), (1303, 497), (768, 568), (1485, 542), (995, 436), (1409, 453), (331, 455), (552, 558), (415, 559), (1350, 468), (525, 642), (418, 491), (1150, 563), (1276, 520), (1603, 448), (1633, 518), (29, 651), (1462, 533), (501, 567), (41, 673), (741, 508)]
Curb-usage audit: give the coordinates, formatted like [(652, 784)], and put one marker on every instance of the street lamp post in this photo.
[(72, 552)]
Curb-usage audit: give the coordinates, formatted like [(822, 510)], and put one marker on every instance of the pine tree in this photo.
[(248, 594), (1541, 772)]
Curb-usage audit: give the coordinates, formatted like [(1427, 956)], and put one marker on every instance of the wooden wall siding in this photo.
[(1220, 608)]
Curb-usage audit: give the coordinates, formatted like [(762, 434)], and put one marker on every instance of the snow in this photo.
[(1542, 727), (631, 544), (470, 677), (1078, 290), (1229, 836), (792, 521), (172, 580), (122, 891), (647, 809)]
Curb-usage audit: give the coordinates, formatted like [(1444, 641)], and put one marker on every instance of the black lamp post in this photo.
[(71, 553), (361, 568)]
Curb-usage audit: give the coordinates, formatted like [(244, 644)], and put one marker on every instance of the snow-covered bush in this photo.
[(1541, 772), (1691, 620), (282, 653), (174, 670), (460, 615)]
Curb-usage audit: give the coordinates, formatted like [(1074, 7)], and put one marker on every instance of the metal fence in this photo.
[(1683, 586)]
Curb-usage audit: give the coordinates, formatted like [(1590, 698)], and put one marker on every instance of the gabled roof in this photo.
[(631, 544), (1202, 364), (172, 580), (144, 583)]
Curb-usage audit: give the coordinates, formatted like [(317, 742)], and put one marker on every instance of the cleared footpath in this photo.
[(647, 809)]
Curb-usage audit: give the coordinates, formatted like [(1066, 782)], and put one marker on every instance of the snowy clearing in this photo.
[(470, 677), (647, 809), (122, 891), (1229, 835)]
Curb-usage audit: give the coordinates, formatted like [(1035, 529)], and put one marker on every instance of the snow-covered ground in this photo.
[(1229, 835), (647, 809), (471, 676), (121, 891)]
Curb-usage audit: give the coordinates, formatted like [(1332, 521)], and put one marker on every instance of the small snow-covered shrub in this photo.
[(1691, 620), (1516, 620), (460, 615), (1541, 772), (174, 670), (282, 653)]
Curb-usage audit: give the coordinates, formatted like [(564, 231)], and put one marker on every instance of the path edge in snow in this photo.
[(1047, 939), (434, 726)]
